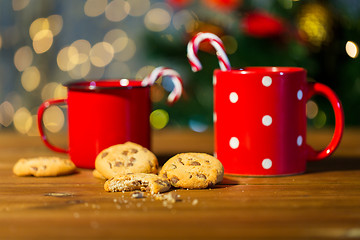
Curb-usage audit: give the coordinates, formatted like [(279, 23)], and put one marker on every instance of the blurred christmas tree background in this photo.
[(45, 43)]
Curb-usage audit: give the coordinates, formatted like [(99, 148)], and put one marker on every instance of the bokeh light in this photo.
[(23, 58), (138, 7), (67, 58), (94, 8), (101, 54), (55, 24), (352, 49), (52, 90), (314, 22), (144, 71), (30, 78), (117, 38), (159, 118), (6, 113), (18, 5), (230, 44), (320, 119), (127, 53), (42, 41), (38, 25), (53, 119), (157, 19), (312, 109), (22, 120), (117, 10)]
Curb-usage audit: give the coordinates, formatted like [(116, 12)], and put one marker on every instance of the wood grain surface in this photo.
[(323, 203)]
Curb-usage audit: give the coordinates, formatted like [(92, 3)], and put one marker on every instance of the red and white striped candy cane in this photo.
[(215, 41), (175, 77)]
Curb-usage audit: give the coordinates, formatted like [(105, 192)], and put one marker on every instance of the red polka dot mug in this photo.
[(260, 120)]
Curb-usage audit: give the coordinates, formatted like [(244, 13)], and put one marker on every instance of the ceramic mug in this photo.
[(260, 120), (102, 114), (107, 112)]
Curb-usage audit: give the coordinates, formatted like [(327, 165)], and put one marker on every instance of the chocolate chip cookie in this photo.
[(193, 170), (43, 167), (125, 158), (137, 181)]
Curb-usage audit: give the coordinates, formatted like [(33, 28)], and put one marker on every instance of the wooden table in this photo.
[(324, 203)]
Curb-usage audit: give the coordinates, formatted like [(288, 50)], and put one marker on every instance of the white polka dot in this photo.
[(266, 81), (266, 163), (299, 94), (234, 143), (299, 140), (233, 97), (266, 120), (214, 116)]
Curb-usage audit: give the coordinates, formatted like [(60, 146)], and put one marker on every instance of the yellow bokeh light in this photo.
[(22, 120), (18, 5), (157, 19), (48, 91), (60, 92), (94, 8), (38, 25), (144, 71), (138, 7), (314, 21), (117, 10), (159, 118), (80, 70), (101, 54), (33, 131), (67, 58), (117, 38), (53, 119), (30, 78), (352, 49), (23, 58), (83, 48), (42, 41), (230, 44), (55, 24), (127, 53), (0, 42), (312, 109), (6, 113)]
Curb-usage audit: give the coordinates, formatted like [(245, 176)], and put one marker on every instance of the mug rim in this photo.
[(266, 69), (103, 84)]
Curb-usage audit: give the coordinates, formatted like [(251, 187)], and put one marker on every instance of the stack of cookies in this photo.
[(129, 167)]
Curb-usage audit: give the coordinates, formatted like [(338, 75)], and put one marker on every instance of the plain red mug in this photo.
[(260, 120), (101, 114)]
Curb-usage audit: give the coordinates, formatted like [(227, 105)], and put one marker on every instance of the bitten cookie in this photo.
[(125, 158), (193, 170), (43, 167), (145, 182)]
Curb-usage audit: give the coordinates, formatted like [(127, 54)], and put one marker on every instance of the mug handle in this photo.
[(321, 89), (45, 105)]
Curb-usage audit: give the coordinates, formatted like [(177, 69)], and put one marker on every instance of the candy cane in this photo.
[(216, 42), (175, 77)]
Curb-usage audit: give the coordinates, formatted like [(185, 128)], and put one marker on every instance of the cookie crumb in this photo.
[(138, 194)]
